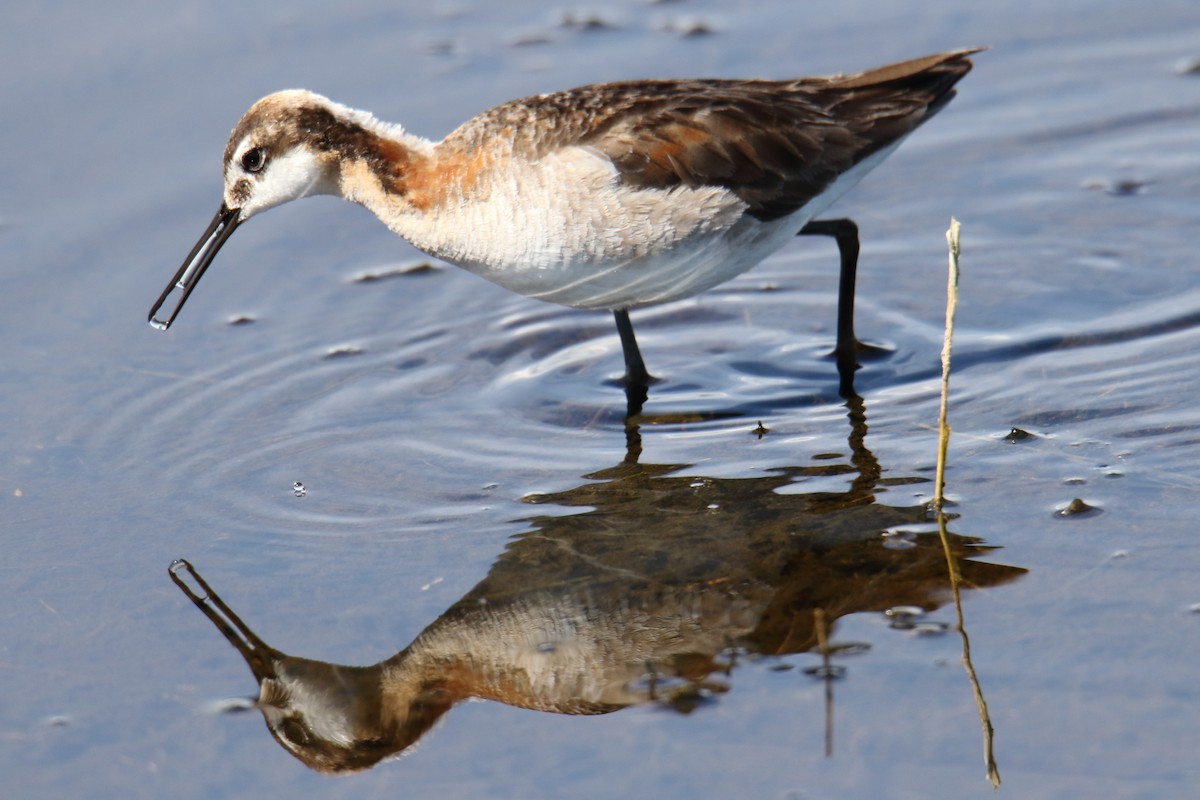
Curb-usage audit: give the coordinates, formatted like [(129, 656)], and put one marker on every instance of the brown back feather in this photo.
[(776, 144)]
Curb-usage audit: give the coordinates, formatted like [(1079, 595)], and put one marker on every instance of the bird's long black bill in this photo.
[(222, 226), (259, 656)]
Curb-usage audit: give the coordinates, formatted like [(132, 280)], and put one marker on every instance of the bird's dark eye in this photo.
[(254, 159)]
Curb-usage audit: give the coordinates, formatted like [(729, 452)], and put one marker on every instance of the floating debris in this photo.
[(1117, 187), (823, 671), (761, 430), (1077, 508), (441, 47), (903, 618), (241, 319), (399, 271), (687, 28), (298, 489), (343, 351), (1017, 435), (531, 39), (1188, 66), (586, 22)]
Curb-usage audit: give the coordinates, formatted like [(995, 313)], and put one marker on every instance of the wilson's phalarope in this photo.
[(610, 196)]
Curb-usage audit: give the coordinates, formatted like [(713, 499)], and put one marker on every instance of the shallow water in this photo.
[(455, 442)]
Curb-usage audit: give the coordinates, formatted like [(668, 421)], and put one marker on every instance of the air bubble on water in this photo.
[(298, 489), (930, 628), (158, 326)]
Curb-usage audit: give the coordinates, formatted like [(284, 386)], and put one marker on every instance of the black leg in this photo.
[(637, 380), (635, 367), (845, 232)]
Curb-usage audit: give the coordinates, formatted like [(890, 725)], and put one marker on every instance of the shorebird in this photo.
[(611, 196)]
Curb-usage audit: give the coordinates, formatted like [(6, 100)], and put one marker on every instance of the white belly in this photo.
[(565, 231)]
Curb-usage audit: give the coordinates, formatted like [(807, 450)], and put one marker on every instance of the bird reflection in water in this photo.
[(641, 598)]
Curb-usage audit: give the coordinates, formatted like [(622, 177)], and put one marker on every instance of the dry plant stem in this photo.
[(985, 720), (948, 338)]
